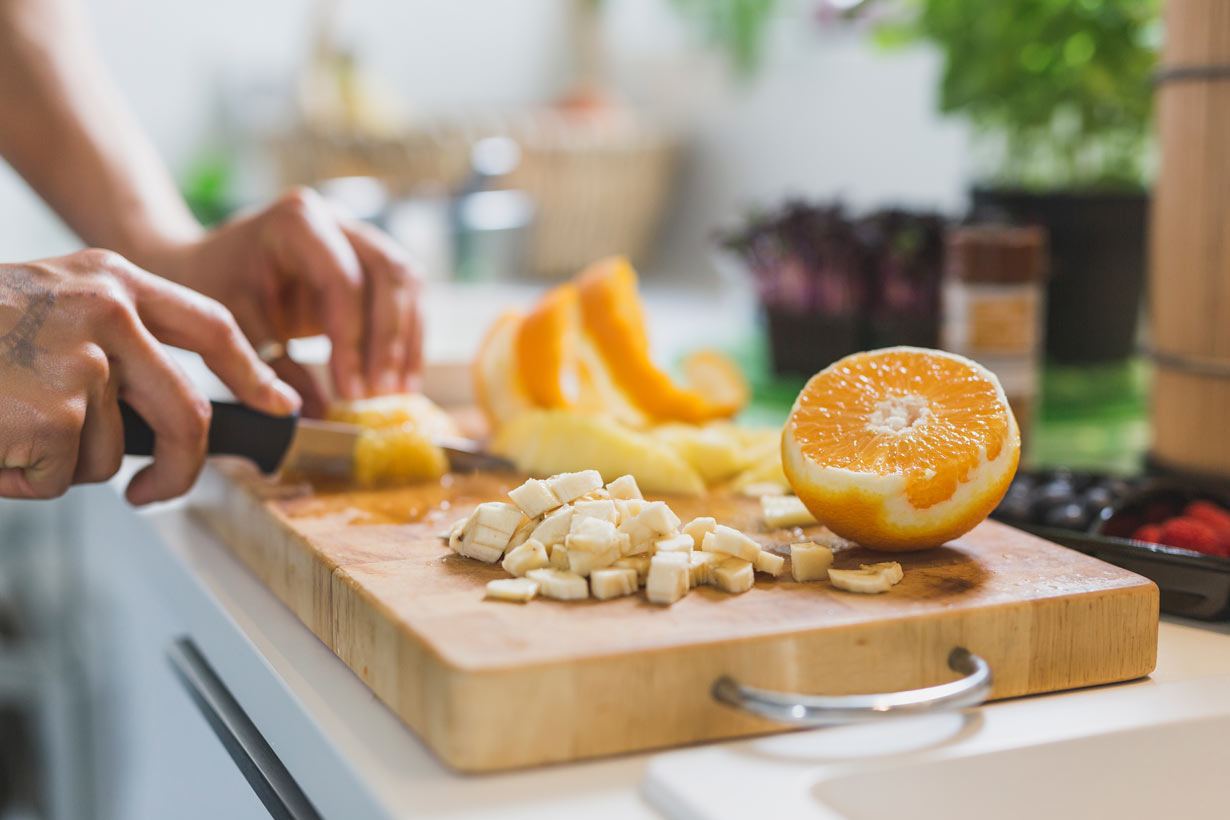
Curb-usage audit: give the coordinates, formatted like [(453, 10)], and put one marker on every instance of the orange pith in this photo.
[(542, 346), (901, 448), (611, 315), (498, 388)]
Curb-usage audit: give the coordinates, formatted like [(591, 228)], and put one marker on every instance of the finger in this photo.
[(412, 367), (307, 240), (101, 450), (315, 402), (184, 318), (162, 395), (391, 304), (40, 461)]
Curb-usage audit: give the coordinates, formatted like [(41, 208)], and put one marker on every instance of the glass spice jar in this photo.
[(993, 301)]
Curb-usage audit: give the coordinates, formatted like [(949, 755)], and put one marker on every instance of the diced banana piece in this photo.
[(730, 541), (612, 583), (785, 511), (562, 586), (592, 534), (640, 537), (512, 589), (733, 575), (571, 486), (810, 562), (629, 508), (554, 528), (559, 557), (487, 531), (769, 562), (530, 555), (584, 562), (701, 565), (603, 510), (867, 581), (625, 488), (522, 533), (534, 498), (759, 489), (675, 543), (890, 568), (669, 577), (659, 518), (498, 516), (697, 528), (592, 544), (639, 563)]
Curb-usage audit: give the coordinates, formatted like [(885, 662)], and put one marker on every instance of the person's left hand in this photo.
[(298, 269)]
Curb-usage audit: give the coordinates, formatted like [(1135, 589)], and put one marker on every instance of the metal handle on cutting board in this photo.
[(821, 710)]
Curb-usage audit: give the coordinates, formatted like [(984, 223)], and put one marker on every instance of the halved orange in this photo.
[(902, 448), (612, 318)]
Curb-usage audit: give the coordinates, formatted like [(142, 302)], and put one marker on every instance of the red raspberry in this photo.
[(1190, 534), (1214, 515), (1151, 533)]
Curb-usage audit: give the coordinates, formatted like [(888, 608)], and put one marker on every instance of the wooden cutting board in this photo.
[(491, 685)]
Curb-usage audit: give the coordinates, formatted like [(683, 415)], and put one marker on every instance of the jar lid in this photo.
[(996, 253)]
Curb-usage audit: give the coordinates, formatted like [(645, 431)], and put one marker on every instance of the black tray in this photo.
[(1192, 584)]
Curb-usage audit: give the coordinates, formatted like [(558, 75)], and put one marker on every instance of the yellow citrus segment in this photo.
[(546, 442), (396, 455), (902, 448), (716, 377), (396, 445), (497, 379), (611, 316), (412, 409), (542, 347)]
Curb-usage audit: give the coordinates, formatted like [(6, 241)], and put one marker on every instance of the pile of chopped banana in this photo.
[(569, 537)]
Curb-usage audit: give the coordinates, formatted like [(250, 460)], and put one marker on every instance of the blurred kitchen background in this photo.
[(794, 179)]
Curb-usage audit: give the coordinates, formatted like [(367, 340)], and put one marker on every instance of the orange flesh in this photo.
[(611, 313), (950, 418)]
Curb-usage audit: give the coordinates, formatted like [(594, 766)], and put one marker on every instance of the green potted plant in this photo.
[(1059, 96)]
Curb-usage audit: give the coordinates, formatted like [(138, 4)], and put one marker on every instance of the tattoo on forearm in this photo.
[(17, 347)]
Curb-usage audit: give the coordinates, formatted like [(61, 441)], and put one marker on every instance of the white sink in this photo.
[(1137, 751)]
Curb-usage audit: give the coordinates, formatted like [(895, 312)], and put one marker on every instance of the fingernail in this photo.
[(355, 388), (289, 399), (388, 382)]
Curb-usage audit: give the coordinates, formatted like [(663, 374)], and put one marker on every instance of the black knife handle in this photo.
[(235, 430)]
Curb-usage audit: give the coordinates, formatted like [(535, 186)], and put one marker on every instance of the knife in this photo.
[(273, 442)]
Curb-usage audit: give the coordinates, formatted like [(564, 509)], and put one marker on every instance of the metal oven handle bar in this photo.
[(260, 765), (821, 710)]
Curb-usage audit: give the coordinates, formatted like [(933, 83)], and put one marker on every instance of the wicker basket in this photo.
[(599, 183)]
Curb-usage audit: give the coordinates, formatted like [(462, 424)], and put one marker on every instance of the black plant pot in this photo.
[(1097, 254), (801, 344)]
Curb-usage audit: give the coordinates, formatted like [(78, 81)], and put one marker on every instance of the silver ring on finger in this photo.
[(270, 351)]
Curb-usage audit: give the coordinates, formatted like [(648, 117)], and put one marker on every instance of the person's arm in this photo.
[(66, 130), (292, 269)]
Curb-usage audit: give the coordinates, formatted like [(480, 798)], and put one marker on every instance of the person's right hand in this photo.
[(79, 332)]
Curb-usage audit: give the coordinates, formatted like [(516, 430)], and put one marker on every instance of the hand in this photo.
[(79, 332), (297, 269)]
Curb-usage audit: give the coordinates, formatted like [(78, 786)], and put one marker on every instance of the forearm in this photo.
[(65, 129)]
